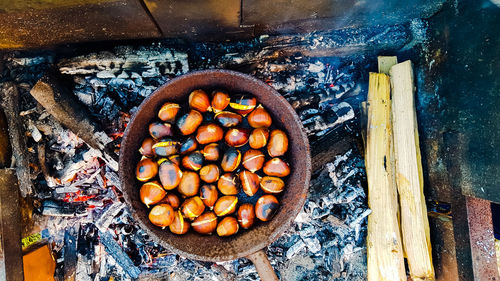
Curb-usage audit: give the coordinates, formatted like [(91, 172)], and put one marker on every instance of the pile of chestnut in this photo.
[(200, 162)]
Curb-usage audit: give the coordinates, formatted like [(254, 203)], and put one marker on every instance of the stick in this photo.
[(385, 63), (60, 103), (385, 253), (414, 221)]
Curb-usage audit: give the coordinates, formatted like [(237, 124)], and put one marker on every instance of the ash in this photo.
[(78, 198)]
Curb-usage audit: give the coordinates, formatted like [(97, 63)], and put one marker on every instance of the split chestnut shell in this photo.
[(237, 137), (249, 182), (243, 104), (193, 161), (152, 193), (165, 147), (228, 119), (253, 160), (231, 160), (228, 184), (168, 112), (188, 145), (192, 207), (146, 148), (272, 184), (179, 225), (225, 205), (205, 223), (258, 138)]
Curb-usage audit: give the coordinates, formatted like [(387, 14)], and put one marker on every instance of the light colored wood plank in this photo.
[(409, 179), (384, 249), (385, 63)]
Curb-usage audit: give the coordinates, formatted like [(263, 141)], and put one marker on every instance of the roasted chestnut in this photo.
[(172, 200), (165, 147), (146, 148), (209, 133), (152, 193), (205, 223), (146, 169), (228, 184), (170, 174), (199, 100), (246, 215), (243, 104), (225, 205), (190, 184), (278, 143), (237, 137), (168, 112), (258, 138), (266, 207), (228, 119), (192, 207), (249, 182), (227, 227), (259, 118), (193, 161), (272, 184), (253, 160), (179, 225), (159, 130), (276, 167), (220, 101), (189, 122), (188, 145), (211, 152), (231, 160), (210, 173), (175, 159), (161, 215), (209, 194)]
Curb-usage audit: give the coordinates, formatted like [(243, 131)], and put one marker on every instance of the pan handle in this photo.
[(263, 266)]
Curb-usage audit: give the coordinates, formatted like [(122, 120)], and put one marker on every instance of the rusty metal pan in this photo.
[(247, 243)]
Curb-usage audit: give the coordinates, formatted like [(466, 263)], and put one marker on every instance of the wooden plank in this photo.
[(384, 249), (385, 63), (409, 179)]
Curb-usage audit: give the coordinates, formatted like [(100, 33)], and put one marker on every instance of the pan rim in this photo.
[(279, 230)]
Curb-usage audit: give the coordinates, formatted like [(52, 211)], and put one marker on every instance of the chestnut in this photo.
[(175, 159), (272, 184), (258, 138), (209, 194), (211, 152), (152, 193), (253, 160), (170, 174), (161, 215), (193, 161), (146, 169), (259, 118), (246, 215), (205, 223), (227, 227), (278, 143), (190, 184), (192, 207), (189, 122), (276, 167), (220, 100), (249, 182), (228, 184), (199, 100), (146, 148), (165, 147), (228, 119), (231, 160), (159, 130), (266, 207), (237, 137), (243, 104), (168, 112), (210, 173), (172, 200), (225, 205), (179, 225), (209, 133), (188, 145)]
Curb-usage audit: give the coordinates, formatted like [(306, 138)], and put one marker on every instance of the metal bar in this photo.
[(10, 226)]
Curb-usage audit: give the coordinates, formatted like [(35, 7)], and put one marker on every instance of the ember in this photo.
[(325, 85)]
